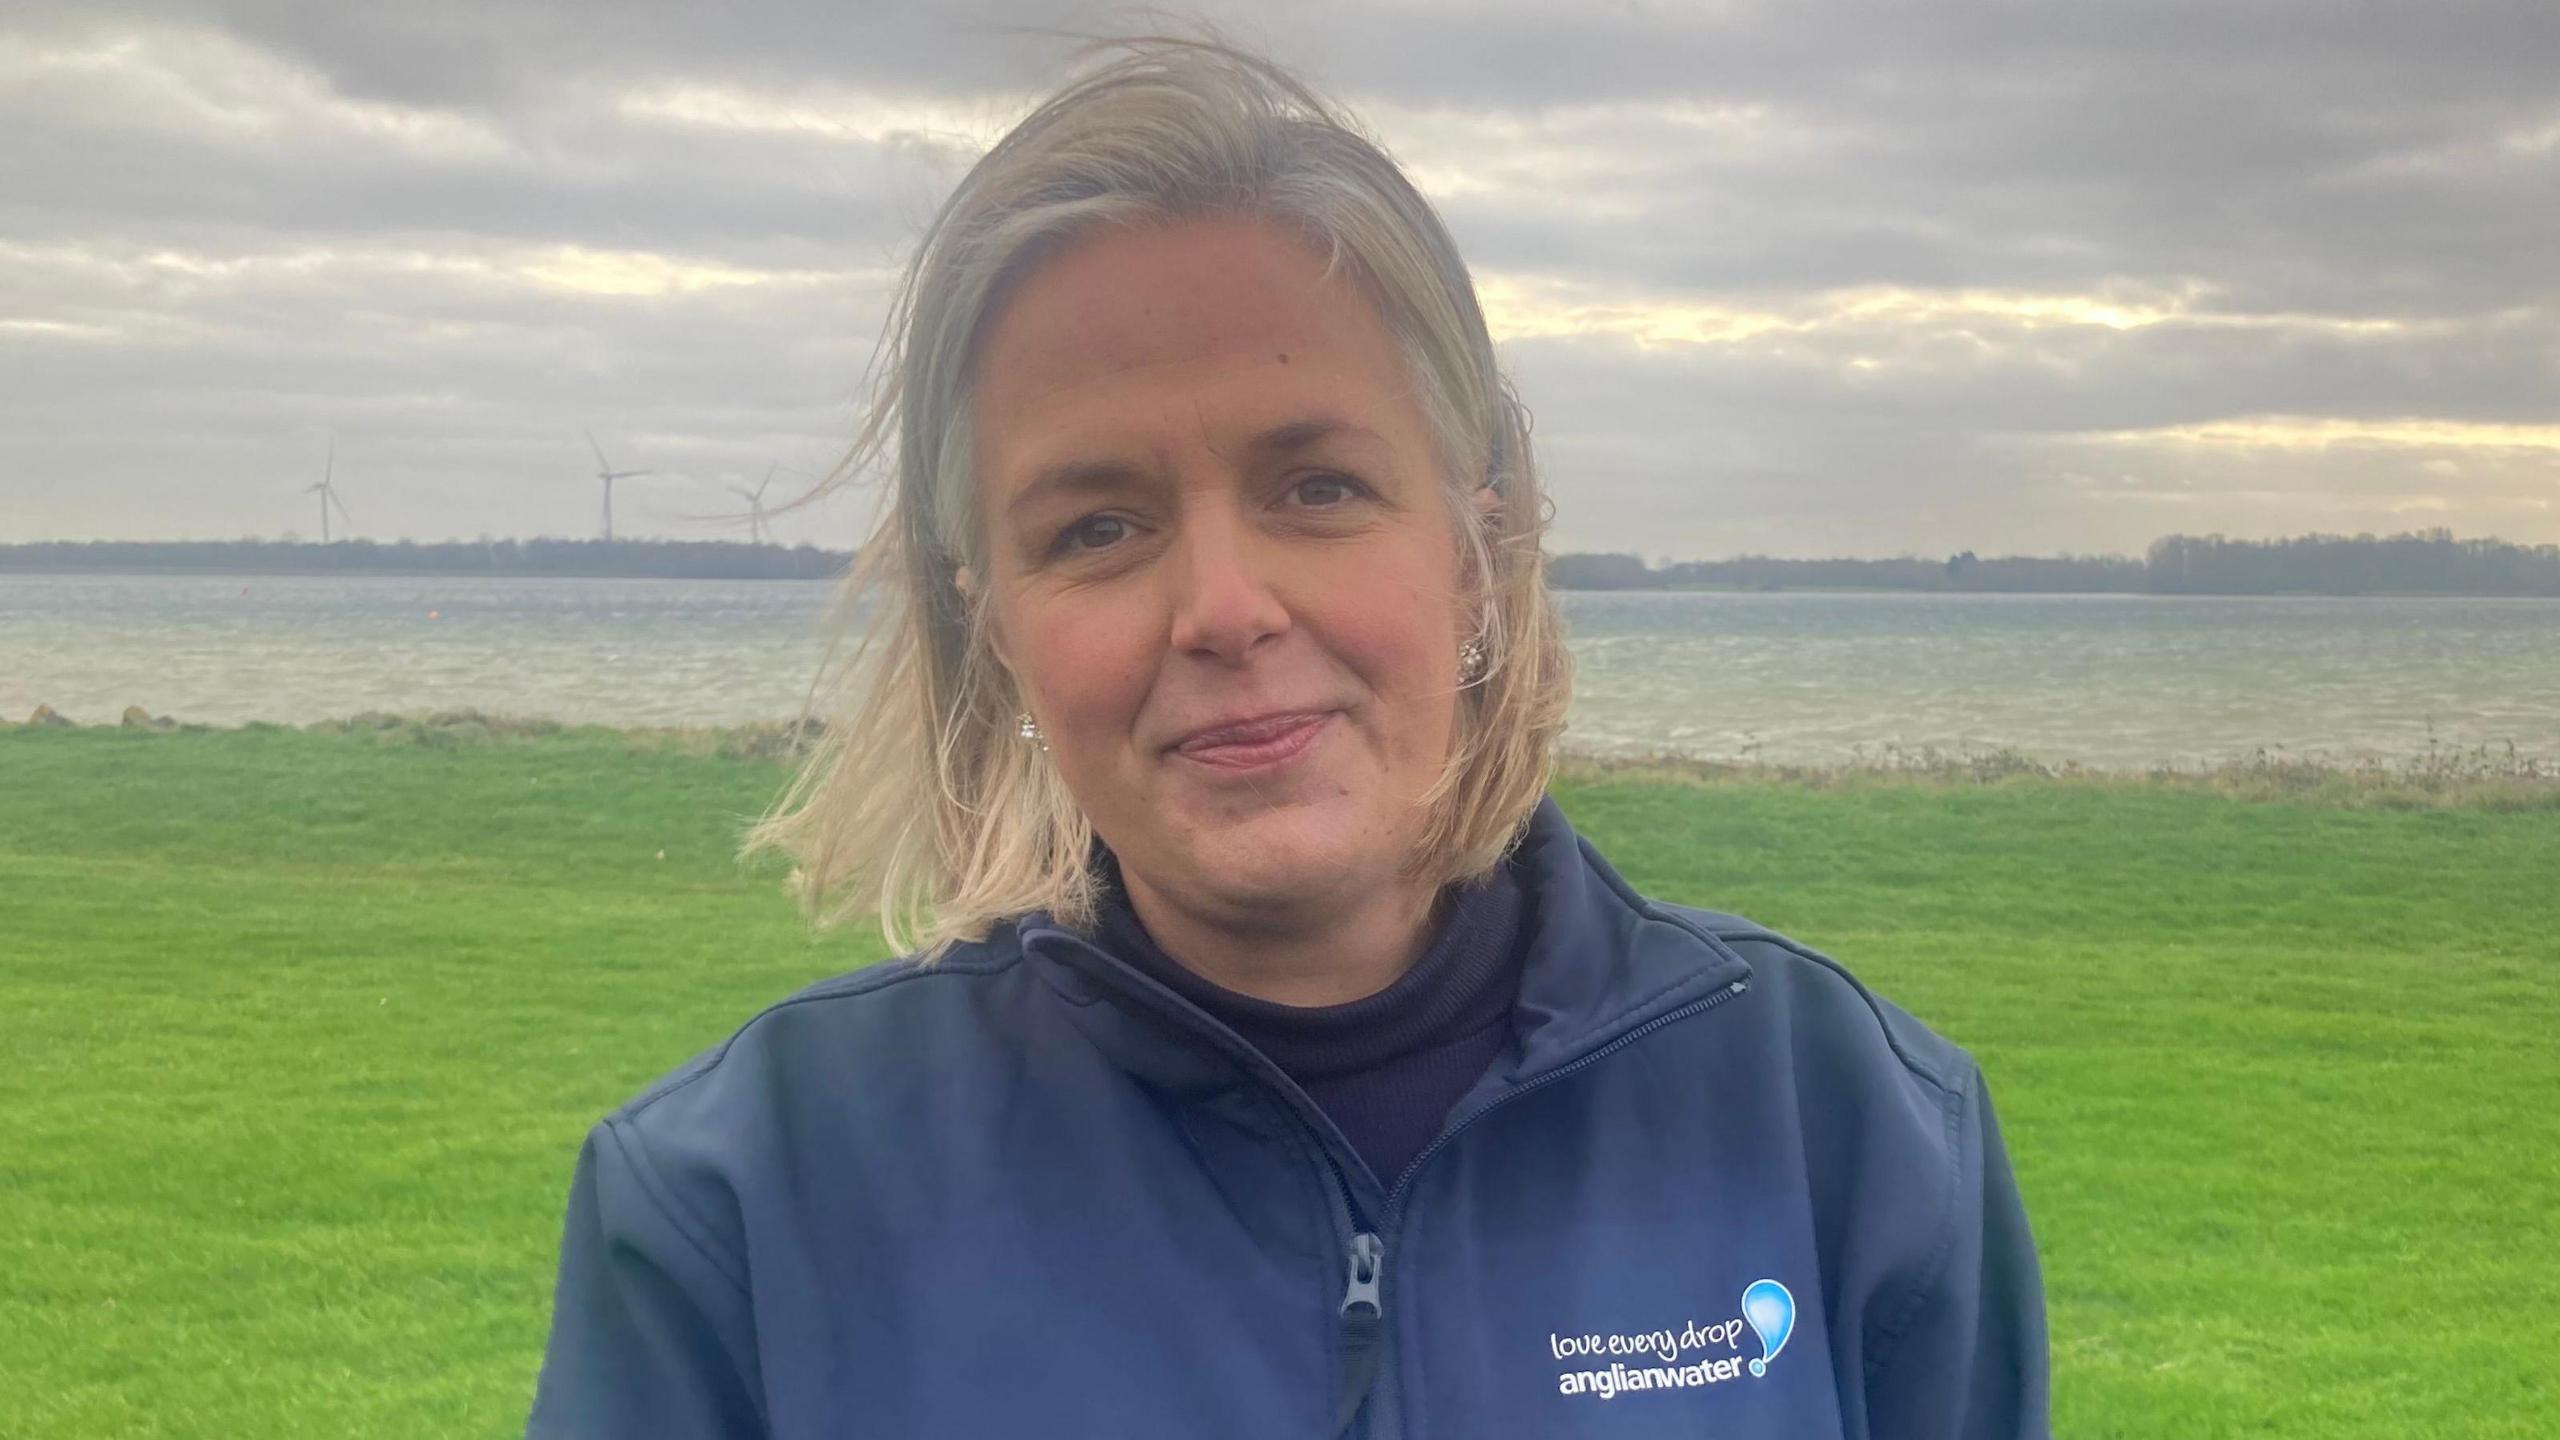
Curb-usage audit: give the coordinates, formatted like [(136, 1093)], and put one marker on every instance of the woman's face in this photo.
[(1221, 568)]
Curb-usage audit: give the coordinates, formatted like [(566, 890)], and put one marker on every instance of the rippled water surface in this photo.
[(2106, 680)]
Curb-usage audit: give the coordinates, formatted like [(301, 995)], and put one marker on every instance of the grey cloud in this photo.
[(2272, 171), (1785, 455)]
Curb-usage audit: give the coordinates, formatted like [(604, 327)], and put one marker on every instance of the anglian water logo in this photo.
[(1772, 1314), (1697, 1354)]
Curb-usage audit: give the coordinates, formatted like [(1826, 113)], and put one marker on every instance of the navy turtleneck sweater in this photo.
[(1385, 1068)]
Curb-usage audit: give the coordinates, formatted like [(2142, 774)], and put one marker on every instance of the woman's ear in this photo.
[(1488, 502)]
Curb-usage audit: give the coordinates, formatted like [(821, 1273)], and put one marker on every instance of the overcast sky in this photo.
[(1794, 278)]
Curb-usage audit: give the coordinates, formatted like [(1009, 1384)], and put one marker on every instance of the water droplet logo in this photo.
[(1772, 1313)]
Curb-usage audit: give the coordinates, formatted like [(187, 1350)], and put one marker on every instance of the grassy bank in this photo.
[(303, 1029)]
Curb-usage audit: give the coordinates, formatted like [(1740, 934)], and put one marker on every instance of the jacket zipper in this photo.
[(1364, 1303), (1362, 1316), (1363, 1319)]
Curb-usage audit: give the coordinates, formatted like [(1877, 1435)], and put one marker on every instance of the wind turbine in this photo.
[(757, 530), (327, 490), (606, 473)]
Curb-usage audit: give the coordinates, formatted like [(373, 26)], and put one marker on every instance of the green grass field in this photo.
[(302, 1030)]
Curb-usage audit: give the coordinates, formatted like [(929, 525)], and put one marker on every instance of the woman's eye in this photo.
[(1325, 490), (1094, 532)]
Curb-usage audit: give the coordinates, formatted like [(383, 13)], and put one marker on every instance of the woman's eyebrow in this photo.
[(1299, 434), (1273, 441), (1073, 476), (1077, 476)]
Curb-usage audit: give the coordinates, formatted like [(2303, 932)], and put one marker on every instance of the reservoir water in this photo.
[(2117, 681)]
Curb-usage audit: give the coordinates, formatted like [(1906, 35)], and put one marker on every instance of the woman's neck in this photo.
[(1319, 954)]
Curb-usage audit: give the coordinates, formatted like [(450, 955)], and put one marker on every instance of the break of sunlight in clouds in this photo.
[(206, 83), (1457, 153), (1803, 278), (61, 329), (70, 276), (605, 272), (2532, 141), (2284, 432), (1524, 305), (830, 114)]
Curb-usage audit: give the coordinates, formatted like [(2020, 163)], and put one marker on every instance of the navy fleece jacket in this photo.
[(1710, 1186)]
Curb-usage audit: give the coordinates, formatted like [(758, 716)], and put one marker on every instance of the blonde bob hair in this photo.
[(920, 801)]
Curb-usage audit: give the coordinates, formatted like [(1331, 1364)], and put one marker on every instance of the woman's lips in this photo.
[(1255, 744)]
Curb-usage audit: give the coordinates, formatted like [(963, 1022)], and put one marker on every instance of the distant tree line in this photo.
[(2428, 563), (661, 559)]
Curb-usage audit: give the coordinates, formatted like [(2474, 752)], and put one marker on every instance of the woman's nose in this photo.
[(1224, 599)]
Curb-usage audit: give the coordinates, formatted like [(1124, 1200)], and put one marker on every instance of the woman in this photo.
[(1277, 1061)]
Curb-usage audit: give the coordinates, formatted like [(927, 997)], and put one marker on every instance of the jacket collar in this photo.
[(1601, 963), (1602, 960)]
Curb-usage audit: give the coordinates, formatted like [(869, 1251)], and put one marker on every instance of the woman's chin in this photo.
[(1292, 854), (1320, 827)]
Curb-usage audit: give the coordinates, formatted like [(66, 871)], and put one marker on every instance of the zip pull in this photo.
[(1363, 1321), (1368, 1256)]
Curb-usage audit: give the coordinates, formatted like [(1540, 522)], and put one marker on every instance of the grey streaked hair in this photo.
[(918, 802)]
